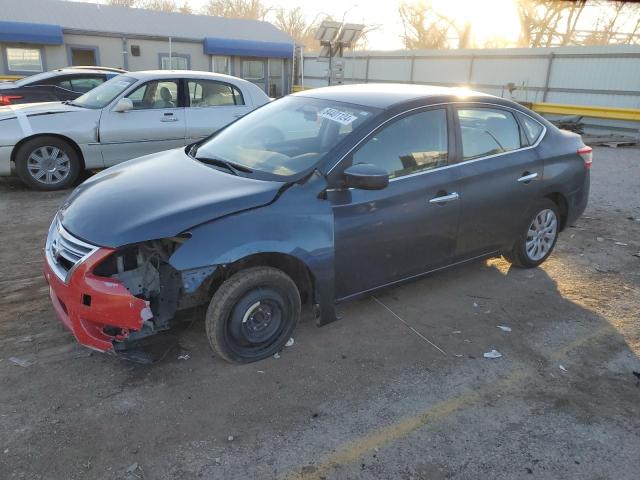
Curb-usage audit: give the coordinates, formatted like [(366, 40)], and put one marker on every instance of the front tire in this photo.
[(538, 240), (252, 314), (47, 163)]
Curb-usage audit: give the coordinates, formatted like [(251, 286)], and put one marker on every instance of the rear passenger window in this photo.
[(532, 129), (487, 131), (209, 93), (415, 143)]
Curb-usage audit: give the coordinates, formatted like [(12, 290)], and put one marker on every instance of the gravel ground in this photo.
[(364, 397)]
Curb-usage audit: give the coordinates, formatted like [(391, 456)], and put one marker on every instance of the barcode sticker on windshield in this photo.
[(337, 116)]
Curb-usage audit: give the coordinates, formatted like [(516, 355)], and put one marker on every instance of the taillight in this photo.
[(587, 155), (7, 99)]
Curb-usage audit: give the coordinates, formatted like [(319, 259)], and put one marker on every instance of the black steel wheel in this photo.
[(252, 314)]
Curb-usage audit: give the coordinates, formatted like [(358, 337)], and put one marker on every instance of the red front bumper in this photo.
[(86, 304)]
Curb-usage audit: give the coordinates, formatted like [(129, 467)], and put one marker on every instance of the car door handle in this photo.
[(450, 197), (168, 117), (527, 178)]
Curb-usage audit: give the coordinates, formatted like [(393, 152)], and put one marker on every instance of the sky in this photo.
[(490, 18)]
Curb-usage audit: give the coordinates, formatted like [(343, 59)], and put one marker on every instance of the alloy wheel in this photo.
[(541, 235)]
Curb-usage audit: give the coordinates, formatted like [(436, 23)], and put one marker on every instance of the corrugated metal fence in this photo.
[(603, 76)]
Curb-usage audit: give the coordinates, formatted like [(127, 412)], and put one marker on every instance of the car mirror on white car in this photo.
[(123, 105)]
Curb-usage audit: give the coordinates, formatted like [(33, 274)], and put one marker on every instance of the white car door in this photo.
[(212, 105), (156, 123)]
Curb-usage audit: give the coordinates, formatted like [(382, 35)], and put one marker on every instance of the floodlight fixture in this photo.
[(328, 31)]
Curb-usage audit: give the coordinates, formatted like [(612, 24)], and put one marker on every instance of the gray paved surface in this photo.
[(361, 398)]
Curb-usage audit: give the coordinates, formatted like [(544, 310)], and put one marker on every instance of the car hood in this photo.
[(42, 108), (157, 196)]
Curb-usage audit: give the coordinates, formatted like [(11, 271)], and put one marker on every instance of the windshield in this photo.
[(287, 136), (103, 94)]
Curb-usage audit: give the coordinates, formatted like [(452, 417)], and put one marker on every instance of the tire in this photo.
[(252, 314), (545, 216), (58, 168)]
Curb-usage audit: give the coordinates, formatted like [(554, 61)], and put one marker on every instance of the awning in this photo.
[(247, 48), (38, 33)]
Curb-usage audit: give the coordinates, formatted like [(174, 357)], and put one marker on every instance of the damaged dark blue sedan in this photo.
[(315, 198)]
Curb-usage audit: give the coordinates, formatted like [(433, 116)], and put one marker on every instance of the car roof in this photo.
[(81, 71), (385, 95), (151, 74)]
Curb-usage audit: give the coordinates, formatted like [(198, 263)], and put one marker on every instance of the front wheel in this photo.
[(252, 314), (535, 245)]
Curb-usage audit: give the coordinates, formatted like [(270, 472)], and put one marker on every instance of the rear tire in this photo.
[(534, 245), (252, 314), (47, 163)]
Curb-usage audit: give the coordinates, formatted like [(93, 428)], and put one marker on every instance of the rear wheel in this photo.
[(539, 239), (47, 163), (252, 314)]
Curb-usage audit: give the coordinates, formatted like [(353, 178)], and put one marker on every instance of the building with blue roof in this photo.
[(39, 35)]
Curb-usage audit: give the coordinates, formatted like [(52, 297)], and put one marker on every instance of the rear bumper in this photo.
[(87, 304), (5, 161)]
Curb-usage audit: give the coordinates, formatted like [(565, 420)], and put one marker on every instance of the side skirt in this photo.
[(414, 277)]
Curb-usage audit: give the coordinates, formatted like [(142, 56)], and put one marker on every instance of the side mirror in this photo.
[(123, 105), (366, 177)]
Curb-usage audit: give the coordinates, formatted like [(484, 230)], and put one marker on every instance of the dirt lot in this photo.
[(365, 397)]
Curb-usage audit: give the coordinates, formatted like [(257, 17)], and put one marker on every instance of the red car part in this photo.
[(97, 310)]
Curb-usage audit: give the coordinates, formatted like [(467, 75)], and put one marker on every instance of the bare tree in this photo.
[(160, 5), (423, 27), (546, 23), (610, 25), (295, 24), (250, 9)]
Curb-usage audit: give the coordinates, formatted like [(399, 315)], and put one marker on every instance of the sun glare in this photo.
[(493, 22)]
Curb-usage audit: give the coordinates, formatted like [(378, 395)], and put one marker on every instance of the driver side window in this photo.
[(156, 94), (414, 143)]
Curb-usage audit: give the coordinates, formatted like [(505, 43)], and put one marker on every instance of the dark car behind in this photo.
[(55, 86)]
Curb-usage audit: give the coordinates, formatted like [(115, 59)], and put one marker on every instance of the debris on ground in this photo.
[(622, 244), (217, 461), (184, 356), (636, 254), (230, 438), (563, 368), (23, 362), (475, 305), (25, 339), (289, 343), (637, 374), (492, 354), (133, 467), (276, 355), (503, 328), (260, 371), (600, 239), (457, 332)]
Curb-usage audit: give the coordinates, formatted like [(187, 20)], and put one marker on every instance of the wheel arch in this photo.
[(294, 267), (563, 207), (64, 138)]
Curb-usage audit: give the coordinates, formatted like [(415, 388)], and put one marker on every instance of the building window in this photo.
[(24, 59), (176, 62), (253, 69), (221, 65)]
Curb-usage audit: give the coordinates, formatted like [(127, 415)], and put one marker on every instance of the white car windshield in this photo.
[(103, 94), (285, 137)]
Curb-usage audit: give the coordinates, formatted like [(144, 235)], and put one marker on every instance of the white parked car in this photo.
[(48, 144)]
